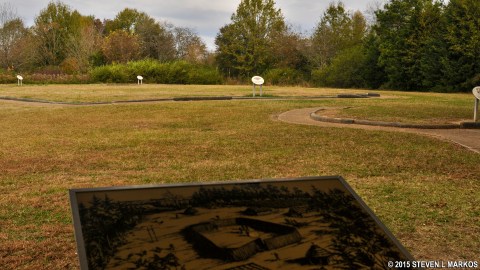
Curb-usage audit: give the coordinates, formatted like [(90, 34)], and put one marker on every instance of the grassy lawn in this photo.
[(118, 92), (425, 190)]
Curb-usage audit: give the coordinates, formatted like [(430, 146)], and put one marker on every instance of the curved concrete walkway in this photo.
[(468, 138)]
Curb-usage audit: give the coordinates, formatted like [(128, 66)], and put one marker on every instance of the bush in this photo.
[(178, 72), (204, 75), (346, 70), (40, 78), (284, 76), (6, 78), (114, 73), (70, 66)]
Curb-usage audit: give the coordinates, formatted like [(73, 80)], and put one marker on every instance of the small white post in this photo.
[(139, 79), (254, 85), (475, 112)]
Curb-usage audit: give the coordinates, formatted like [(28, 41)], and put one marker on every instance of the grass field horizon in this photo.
[(425, 190)]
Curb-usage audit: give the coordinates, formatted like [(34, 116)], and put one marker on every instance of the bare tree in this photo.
[(11, 31), (84, 44), (189, 46), (7, 13)]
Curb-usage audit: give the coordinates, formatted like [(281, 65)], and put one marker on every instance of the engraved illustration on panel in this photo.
[(273, 225)]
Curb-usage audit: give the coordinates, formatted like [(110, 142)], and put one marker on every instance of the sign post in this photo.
[(139, 79), (19, 80), (257, 80), (476, 93)]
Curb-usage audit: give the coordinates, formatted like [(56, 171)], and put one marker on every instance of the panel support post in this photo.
[(475, 112)]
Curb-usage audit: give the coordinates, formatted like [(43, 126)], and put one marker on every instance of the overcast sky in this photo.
[(204, 16)]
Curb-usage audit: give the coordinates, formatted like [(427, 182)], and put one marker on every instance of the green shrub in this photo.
[(178, 72), (284, 76), (346, 70), (204, 75), (40, 78), (7, 78), (115, 73)]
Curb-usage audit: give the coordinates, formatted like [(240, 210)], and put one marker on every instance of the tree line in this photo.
[(63, 40), (412, 45)]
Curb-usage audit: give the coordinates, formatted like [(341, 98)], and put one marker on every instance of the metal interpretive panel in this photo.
[(302, 223)]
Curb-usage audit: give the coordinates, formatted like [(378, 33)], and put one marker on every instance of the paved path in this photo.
[(469, 138)]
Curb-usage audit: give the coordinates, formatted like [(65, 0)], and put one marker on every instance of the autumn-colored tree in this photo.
[(53, 28), (189, 46), (120, 47), (126, 20), (156, 42), (11, 31), (154, 39), (82, 46), (10, 35), (288, 51)]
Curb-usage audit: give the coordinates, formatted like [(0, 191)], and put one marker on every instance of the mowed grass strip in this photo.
[(426, 108), (77, 93), (425, 190), (415, 107), (117, 92)]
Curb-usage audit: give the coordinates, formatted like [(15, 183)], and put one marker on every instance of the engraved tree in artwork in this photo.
[(357, 240)]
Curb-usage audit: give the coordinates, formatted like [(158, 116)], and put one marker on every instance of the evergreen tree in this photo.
[(410, 43), (432, 47), (337, 48), (372, 73), (462, 37)]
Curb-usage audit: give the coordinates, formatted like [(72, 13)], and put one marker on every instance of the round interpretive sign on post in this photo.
[(19, 80), (476, 93), (140, 79), (257, 80)]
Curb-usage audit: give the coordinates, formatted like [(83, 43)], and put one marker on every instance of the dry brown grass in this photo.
[(426, 191), (117, 92)]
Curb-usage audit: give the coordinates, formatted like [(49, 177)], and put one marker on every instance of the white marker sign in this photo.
[(257, 80), (476, 92), (20, 80), (140, 79)]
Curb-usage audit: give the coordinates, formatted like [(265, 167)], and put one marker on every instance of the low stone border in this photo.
[(317, 117), (32, 100), (201, 98), (44, 101)]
